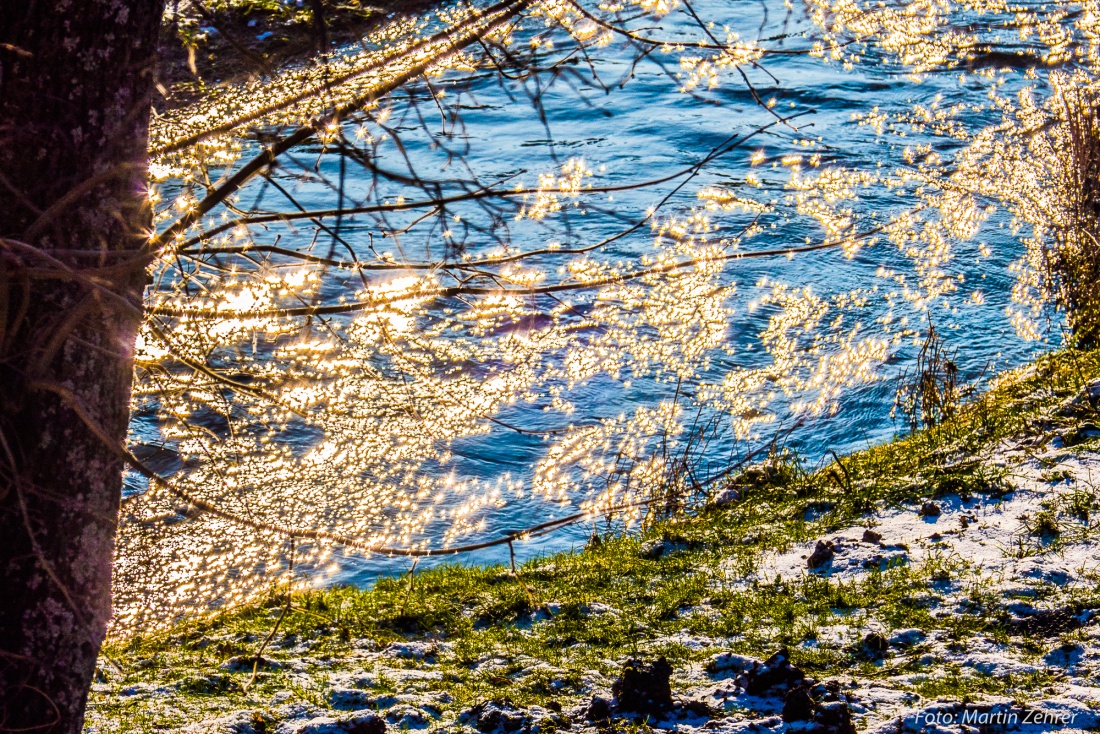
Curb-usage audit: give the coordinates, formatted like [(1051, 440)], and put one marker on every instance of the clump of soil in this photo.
[(930, 509), (874, 646), (776, 671), (644, 688), (799, 705), (823, 553)]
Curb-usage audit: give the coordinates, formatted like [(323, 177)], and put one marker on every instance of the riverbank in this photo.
[(947, 575)]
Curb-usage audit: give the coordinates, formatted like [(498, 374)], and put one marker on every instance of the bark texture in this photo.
[(75, 85)]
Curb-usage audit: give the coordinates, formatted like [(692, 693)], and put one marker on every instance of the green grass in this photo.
[(484, 613)]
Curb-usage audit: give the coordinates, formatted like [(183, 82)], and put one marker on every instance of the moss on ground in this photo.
[(614, 598)]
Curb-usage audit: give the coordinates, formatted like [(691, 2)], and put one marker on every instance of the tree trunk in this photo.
[(75, 86)]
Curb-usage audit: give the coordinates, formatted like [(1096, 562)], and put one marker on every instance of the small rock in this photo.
[(727, 497), (930, 509), (644, 688), (835, 717), (599, 709), (870, 536), (798, 705), (874, 646), (776, 671), (823, 553)]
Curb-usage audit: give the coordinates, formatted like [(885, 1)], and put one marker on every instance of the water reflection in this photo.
[(596, 254)]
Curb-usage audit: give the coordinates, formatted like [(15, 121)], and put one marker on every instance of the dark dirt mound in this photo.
[(776, 671), (821, 556), (799, 705), (644, 688)]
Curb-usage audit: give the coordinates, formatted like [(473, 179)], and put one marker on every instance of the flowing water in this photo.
[(855, 127)]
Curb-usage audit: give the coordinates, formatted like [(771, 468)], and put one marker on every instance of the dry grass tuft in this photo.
[(931, 393), (1072, 259)]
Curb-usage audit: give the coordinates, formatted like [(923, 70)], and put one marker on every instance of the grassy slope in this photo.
[(484, 613)]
